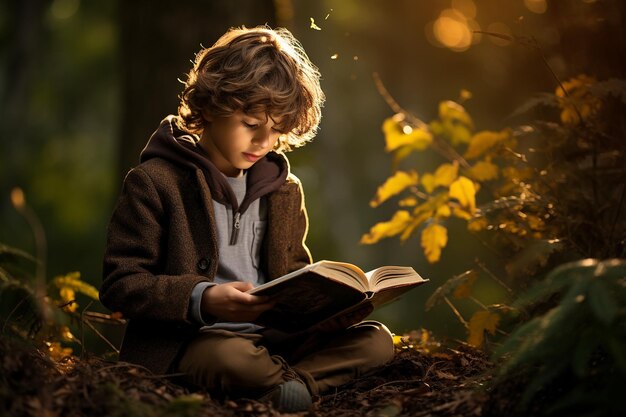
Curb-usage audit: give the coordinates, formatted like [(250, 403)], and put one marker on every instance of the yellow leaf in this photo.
[(449, 110), (461, 214), (480, 322), (398, 134), (434, 238), (73, 281), (443, 211), (382, 230), (428, 181), (464, 289), (67, 294), (484, 171), (394, 185), (456, 133), (446, 174), (579, 102), (464, 191), (425, 211), (313, 25), (408, 202), (485, 140), (419, 217), (68, 298), (400, 154), (398, 340)]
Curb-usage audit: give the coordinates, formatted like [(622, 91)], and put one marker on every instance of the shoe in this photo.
[(290, 397)]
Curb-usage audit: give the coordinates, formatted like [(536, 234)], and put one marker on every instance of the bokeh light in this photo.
[(454, 27)]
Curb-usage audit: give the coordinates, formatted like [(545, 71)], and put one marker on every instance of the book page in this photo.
[(392, 276), (344, 272)]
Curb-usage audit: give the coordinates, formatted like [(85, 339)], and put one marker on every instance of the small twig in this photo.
[(18, 305), (41, 246), (101, 336), (485, 244), (82, 330), (440, 146), (477, 302), (393, 104), (122, 365), (492, 275), (430, 368), (400, 381), (456, 312), (103, 318)]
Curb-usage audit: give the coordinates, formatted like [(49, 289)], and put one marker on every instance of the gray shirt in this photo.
[(238, 262)]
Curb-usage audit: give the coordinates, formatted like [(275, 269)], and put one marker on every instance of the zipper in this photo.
[(236, 226)]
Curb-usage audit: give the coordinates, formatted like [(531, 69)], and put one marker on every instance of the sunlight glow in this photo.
[(536, 6), (467, 7), (452, 31), (455, 27)]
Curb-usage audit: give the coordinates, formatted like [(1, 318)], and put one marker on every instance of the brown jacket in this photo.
[(162, 242)]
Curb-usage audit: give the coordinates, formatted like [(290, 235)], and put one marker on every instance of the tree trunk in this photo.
[(158, 39)]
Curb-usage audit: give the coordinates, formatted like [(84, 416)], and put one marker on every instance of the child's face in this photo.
[(236, 142)]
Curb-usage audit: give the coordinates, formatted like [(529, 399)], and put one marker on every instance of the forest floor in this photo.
[(448, 382)]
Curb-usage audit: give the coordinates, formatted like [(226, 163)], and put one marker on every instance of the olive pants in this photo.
[(247, 365)]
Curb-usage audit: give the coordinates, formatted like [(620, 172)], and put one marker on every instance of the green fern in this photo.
[(588, 323)]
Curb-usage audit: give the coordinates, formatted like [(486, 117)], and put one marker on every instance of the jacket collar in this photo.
[(171, 143)]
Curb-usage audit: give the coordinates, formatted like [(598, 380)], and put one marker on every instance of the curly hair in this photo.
[(256, 71)]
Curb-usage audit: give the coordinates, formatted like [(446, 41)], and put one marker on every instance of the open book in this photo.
[(327, 289)]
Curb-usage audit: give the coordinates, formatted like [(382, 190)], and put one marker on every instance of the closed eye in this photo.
[(250, 125)]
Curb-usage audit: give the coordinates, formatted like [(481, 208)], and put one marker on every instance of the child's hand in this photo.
[(229, 302)]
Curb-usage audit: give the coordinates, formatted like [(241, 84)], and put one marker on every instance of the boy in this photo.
[(211, 212)]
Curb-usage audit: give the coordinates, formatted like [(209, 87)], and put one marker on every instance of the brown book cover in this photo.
[(326, 289)]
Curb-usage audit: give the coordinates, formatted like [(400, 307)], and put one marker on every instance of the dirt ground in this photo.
[(449, 382)]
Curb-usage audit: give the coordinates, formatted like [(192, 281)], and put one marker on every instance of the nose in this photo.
[(265, 138)]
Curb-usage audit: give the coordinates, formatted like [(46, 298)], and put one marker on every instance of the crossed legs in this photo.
[(247, 365)]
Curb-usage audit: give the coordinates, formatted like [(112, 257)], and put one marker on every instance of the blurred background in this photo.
[(84, 83)]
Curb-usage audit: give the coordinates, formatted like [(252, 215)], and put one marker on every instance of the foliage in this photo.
[(42, 316), (537, 194), (557, 182), (584, 336), (40, 311), (421, 340)]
